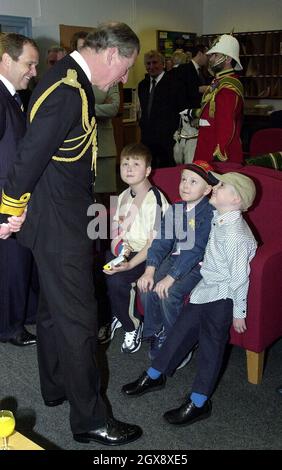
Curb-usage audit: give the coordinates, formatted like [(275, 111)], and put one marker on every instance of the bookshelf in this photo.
[(261, 58)]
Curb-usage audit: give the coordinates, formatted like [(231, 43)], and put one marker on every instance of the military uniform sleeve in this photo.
[(44, 136), (227, 103), (2, 120)]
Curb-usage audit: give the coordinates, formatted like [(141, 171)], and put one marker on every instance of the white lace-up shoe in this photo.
[(107, 332), (132, 340)]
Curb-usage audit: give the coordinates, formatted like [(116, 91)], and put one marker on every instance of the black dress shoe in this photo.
[(57, 402), (188, 413), (143, 384), (112, 433), (25, 338)]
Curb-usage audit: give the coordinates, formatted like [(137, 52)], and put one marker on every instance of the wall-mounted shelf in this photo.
[(261, 58)]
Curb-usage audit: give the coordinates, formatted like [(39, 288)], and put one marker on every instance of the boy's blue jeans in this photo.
[(162, 313)]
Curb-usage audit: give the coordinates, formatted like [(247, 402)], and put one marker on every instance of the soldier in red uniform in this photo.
[(221, 112)]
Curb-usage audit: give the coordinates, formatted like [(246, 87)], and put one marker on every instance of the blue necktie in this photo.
[(19, 101)]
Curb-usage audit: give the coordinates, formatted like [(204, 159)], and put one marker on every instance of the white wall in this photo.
[(144, 16), (243, 15)]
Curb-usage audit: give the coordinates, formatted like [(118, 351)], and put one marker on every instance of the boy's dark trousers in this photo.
[(209, 325), (164, 312), (119, 286)]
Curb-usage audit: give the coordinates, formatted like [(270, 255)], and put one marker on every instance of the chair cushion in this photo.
[(269, 160)]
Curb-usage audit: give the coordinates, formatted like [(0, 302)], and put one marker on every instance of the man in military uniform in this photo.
[(54, 175), (221, 113)]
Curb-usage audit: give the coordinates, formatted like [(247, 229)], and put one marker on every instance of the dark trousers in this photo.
[(67, 336), (119, 286), (209, 325), (164, 312), (161, 150), (18, 288)]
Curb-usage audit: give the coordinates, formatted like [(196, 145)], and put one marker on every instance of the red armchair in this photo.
[(264, 319), (266, 141)]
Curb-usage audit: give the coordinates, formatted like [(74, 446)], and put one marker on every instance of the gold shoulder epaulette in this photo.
[(81, 142), (71, 79)]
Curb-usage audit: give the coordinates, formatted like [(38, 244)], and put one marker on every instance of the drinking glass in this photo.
[(7, 426)]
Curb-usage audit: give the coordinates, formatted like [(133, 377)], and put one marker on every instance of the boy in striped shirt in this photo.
[(217, 302)]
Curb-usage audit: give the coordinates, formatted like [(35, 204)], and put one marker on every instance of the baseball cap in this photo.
[(203, 169), (243, 185)]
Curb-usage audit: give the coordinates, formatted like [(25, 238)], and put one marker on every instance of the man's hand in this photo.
[(163, 286), (5, 231), (15, 223)]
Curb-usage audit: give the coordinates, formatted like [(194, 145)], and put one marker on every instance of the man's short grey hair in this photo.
[(152, 54), (113, 34)]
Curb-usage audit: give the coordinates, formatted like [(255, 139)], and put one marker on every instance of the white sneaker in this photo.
[(107, 332), (132, 340)]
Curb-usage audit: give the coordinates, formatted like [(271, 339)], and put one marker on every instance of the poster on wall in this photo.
[(169, 41)]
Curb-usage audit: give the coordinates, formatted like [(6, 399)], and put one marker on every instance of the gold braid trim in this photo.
[(13, 206), (274, 162), (218, 156), (209, 96), (90, 128)]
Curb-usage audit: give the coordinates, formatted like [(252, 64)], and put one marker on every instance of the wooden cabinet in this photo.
[(261, 58)]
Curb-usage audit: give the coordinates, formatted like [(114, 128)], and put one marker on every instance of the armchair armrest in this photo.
[(264, 321)]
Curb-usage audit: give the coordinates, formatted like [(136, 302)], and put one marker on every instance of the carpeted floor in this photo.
[(244, 416)]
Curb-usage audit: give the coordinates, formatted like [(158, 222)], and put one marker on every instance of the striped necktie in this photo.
[(19, 101)]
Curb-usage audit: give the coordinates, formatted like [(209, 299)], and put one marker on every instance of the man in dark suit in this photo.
[(18, 301), (54, 170), (193, 77), (160, 95)]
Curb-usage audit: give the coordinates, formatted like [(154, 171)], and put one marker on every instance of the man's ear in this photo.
[(6, 59), (111, 53)]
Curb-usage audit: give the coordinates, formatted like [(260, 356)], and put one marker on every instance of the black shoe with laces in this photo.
[(143, 384), (188, 413)]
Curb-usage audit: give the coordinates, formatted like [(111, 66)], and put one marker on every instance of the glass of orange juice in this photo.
[(7, 426)]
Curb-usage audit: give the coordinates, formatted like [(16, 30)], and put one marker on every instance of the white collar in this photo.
[(82, 63), (227, 218), (158, 78), (8, 85), (197, 67)]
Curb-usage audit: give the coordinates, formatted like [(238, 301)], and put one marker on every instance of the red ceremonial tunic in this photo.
[(220, 140)]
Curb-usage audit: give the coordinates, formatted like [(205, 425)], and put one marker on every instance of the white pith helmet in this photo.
[(227, 45)]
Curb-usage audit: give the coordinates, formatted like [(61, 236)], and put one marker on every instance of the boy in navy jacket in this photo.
[(172, 268)]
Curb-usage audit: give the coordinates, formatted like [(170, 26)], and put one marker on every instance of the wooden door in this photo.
[(67, 31)]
